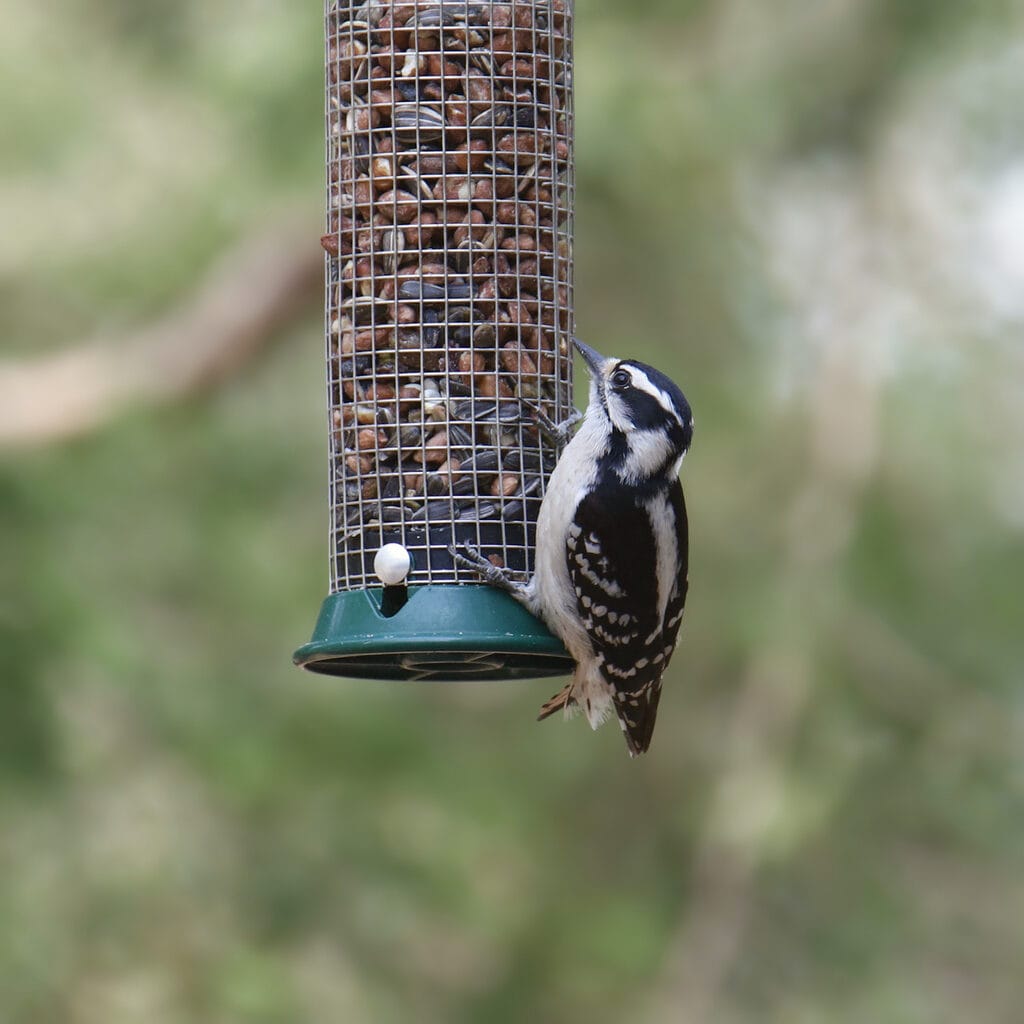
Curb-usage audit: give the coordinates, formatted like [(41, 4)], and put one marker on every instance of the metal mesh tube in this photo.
[(449, 276)]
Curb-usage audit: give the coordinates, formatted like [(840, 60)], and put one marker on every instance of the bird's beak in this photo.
[(594, 360)]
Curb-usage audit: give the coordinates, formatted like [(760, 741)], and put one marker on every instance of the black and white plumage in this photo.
[(612, 546)]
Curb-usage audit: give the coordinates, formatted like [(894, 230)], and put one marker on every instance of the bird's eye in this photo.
[(621, 379)]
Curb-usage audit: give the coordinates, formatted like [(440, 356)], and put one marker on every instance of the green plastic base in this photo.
[(441, 632)]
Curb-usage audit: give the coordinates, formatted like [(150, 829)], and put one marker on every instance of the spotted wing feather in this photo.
[(676, 600), (612, 558)]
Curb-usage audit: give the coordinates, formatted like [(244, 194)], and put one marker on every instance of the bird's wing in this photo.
[(677, 598), (612, 559)]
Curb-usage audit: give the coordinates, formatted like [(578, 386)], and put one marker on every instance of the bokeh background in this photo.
[(812, 216)]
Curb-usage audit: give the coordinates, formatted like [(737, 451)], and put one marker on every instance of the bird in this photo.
[(612, 553)]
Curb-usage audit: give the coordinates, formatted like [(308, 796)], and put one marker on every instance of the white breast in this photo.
[(552, 587)]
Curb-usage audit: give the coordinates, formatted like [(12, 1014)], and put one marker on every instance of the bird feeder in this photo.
[(449, 318)]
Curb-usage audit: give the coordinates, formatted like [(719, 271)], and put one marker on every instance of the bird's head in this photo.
[(647, 418)]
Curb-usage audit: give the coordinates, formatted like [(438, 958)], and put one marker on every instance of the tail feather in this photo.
[(637, 713)]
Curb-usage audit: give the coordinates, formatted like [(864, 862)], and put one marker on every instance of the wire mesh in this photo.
[(449, 285)]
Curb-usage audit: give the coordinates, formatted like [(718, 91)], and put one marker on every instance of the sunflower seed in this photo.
[(483, 462), (392, 245), (412, 121)]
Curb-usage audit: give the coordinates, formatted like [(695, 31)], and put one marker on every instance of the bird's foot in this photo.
[(467, 557), (562, 701), (557, 434)]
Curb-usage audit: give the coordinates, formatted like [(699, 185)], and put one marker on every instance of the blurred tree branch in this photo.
[(260, 285)]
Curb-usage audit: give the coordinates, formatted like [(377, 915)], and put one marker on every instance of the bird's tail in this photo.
[(637, 712)]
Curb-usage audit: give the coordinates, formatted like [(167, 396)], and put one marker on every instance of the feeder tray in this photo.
[(449, 318), (441, 632)]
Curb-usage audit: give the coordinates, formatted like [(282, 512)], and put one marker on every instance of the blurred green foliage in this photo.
[(801, 213)]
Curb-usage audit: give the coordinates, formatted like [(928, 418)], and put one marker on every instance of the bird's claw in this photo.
[(557, 433), (467, 557)]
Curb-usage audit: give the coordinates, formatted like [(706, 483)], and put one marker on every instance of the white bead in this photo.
[(391, 564)]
